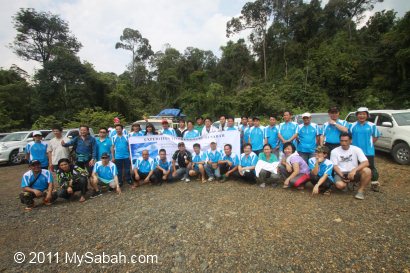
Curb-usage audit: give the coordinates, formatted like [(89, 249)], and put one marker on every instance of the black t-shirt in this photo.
[(179, 132), (180, 157)]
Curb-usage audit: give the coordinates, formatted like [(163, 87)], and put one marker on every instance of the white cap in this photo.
[(362, 109), (36, 133), (306, 115)]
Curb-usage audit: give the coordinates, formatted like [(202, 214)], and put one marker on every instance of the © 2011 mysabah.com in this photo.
[(83, 258)]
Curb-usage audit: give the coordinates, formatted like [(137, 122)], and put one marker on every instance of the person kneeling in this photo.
[(104, 174), (247, 163), (266, 168), (71, 178), (144, 170), (37, 183), (348, 171), (162, 167), (321, 170), (198, 162), (293, 168)]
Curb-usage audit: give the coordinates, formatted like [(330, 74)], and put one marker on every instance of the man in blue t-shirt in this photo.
[(103, 143), (37, 150), (166, 130), (104, 174), (247, 163), (213, 156), (332, 129), (37, 183), (191, 132), (271, 135), (228, 164), (256, 136), (364, 135), (321, 171), (121, 155), (287, 130), (308, 136), (163, 167), (144, 170), (198, 166)]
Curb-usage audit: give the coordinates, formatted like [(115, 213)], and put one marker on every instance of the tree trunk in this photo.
[(264, 55)]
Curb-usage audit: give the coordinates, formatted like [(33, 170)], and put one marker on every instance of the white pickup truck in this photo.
[(394, 125)]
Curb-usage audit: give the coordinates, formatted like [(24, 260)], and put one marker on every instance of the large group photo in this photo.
[(284, 146)]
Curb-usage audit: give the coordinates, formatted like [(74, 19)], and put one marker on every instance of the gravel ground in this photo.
[(215, 227)]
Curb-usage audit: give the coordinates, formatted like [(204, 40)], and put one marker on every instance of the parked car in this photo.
[(12, 144), (318, 118), (2, 135), (394, 126)]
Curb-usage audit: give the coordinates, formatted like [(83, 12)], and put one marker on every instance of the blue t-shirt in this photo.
[(103, 146), (248, 161), (331, 133), (144, 166), (287, 130), (246, 134), (191, 134), (271, 134), (38, 151), (362, 136), (326, 167), (106, 173), (169, 131), (114, 133), (213, 155), (201, 157), (256, 136), (234, 158), (41, 183), (307, 137), (166, 165), (121, 147), (140, 133), (233, 128)]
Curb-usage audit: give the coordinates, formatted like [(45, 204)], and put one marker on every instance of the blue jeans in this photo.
[(306, 156), (211, 172), (124, 170)]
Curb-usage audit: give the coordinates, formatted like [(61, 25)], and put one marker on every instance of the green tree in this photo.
[(40, 35)]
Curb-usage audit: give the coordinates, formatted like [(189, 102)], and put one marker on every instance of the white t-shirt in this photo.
[(349, 159), (57, 150)]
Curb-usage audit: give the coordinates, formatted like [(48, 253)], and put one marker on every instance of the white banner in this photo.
[(154, 143)]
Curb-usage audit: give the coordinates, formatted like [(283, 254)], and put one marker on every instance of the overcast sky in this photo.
[(98, 25)]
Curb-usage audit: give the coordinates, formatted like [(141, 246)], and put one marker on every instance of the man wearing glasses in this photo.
[(104, 174), (103, 143)]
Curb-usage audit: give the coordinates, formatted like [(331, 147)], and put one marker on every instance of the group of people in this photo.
[(337, 155)]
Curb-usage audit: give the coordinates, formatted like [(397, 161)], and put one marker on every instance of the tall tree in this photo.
[(40, 35), (132, 40)]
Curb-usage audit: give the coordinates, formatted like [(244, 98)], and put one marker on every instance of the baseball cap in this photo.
[(37, 133), (306, 115), (362, 109), (34, 162), (164, 122)]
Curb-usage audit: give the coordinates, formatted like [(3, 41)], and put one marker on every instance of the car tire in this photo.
[(14, 159), (401, 153)]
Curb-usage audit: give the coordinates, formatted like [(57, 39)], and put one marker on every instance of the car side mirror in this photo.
[(387, 124)]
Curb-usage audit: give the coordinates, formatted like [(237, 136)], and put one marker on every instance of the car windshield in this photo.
[(14, 137), (51, 135), (318, 119), (402, 119)]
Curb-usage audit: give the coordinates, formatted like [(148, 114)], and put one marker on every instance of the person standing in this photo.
[(271, 135), (37, 150), (208, 128), (222, 123), (287, 130), (364, 135), (190, 132), (199, 124), (121, 155), (85, 148), (166, 130), (136, 130), (256, 136), (231, 125), (103, 143), (332, 129), (55, 150), (181, 128), (308, 137)]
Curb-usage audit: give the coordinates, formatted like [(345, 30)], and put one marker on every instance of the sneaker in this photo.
[(262, 185), (211, 179), (375, 186), (95, 194), (223, 179), (359, 195), (184, 178), (187, 180)]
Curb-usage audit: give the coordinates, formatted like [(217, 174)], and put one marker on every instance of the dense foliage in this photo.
[(300, 56)]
